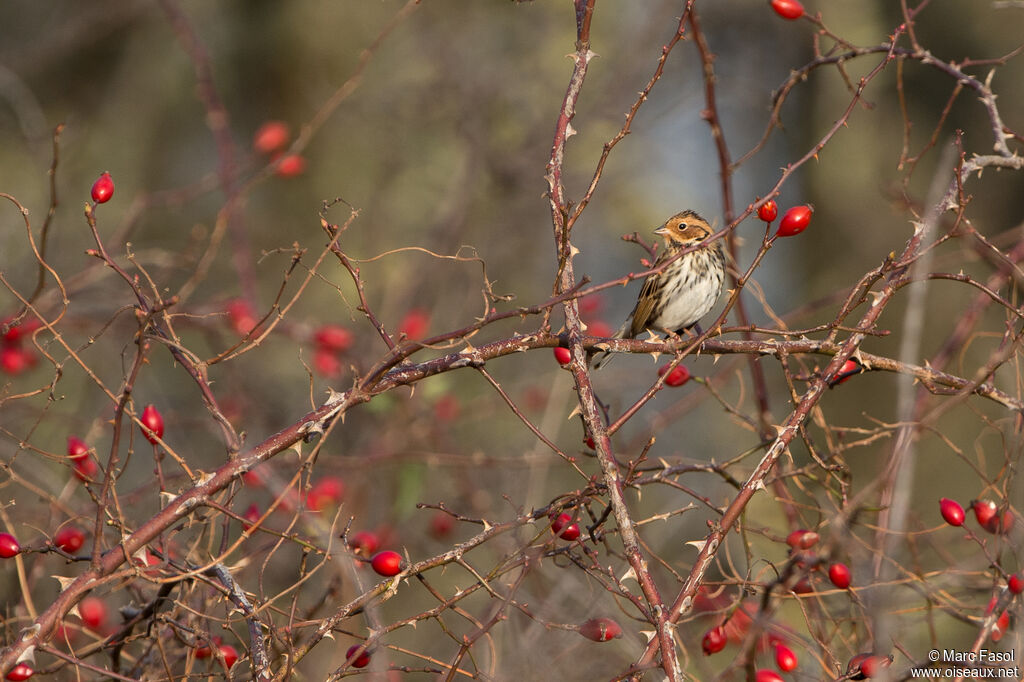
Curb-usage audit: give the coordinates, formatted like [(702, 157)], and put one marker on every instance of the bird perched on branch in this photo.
[(675, 299)]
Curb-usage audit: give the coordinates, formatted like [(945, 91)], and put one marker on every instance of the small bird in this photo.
[(675, 299)]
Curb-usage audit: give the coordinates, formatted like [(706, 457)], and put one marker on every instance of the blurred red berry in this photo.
[(795, 220), (240, 314), (153, 424), (325, 493), (591, 305), (364, 542), (788, 9), (77, 448), (765, 675), (849, 368), (441, 525), (562, 527), (785, 658), (103, 189), (16, 332), (326, 363), (1001, 627), (204, 651), (1016, 583), (600, 629), (447, 408), (271, 137), (839, 574), (20, 672), (387, 563), (677, 377), (230, 655), (769, 211), (951, 511), (69, 538), (599, 329), (93, 611), (291, 166), (563, 356), (8, 546), (362, 660), (984, 511), (714, 640), (252, 515), (14, 360), (415, 324), (863, 666), (802, 538), (333, 337)]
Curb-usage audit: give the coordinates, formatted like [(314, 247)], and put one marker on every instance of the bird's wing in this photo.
[(644, 306)]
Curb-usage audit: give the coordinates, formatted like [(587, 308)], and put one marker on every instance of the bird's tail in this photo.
[(602, 358)]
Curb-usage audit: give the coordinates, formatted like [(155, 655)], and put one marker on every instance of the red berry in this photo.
[(849, 368), (291, 166), (93, 611), (387, 563), (325, 493), (243, 319), (252, 515), (153, 424), (362, 660), (415, 324), (863, 666), (599, 329), (714, 640), (77, 449), (677, 377), (333, 337), (14, 360), (271, 137), (326, 363), (230, 655), (22, 671), (16, 332), (1001, 626), (8, 546), (788, 9), (765, 675), (785, 659), (769, 211), (69, 538), (563, 356), (204, 651), (364, 542), (839, 574), (795, 221), (447, 408), (987, 514), (1016, 583), (103, 189), (600, 629), (951, 511), (562, 527), (441, 525), (86, 468), (802, 538)]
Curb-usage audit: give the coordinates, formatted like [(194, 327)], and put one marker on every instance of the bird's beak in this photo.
[(661, 231)]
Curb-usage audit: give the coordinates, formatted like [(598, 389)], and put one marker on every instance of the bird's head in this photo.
[(684, 229)]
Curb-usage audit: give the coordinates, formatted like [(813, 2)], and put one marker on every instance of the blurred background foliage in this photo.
[(443, 146)]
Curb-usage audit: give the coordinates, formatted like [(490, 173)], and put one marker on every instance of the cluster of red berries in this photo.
[(794, 221), (735, 627), (986, 513), (15, 355), (270, 140)]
